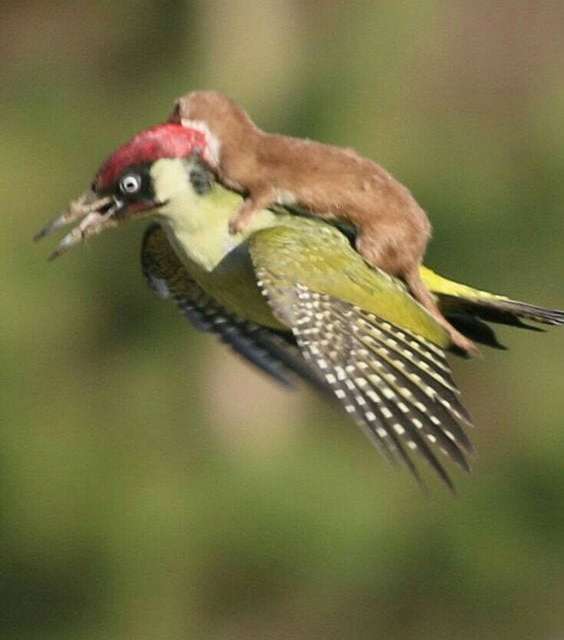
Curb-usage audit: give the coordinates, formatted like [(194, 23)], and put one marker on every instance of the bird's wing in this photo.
[(468, 309), (373, 344), (273, 352)]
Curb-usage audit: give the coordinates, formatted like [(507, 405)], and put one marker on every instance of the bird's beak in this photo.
[(94, 214)]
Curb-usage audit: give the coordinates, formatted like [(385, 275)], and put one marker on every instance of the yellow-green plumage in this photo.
[(321, 258), (369, 364), (298, 247), (293, 297)]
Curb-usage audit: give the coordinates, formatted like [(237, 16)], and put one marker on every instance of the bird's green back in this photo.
[(293, 248)]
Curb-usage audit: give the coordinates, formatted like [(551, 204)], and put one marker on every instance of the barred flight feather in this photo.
[(438, 385), (423, 415), (370, 411), (407, 383), (333, 345), (393, 382)]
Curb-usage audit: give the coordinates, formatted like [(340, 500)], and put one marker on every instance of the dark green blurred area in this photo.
[(151, 485)]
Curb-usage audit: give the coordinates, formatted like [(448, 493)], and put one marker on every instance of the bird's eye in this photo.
[(130, 184)]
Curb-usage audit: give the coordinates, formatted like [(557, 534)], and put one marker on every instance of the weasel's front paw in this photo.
[(237, 224)]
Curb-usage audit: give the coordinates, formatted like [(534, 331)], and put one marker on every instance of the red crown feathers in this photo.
[(161, 141)]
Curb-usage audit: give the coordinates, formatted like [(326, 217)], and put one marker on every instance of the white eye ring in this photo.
[(130, 184)]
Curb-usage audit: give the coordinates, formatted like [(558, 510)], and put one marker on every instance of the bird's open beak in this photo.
[(94, 214)]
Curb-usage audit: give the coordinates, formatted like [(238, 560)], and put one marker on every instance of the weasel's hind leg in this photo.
[(388, 253), (424, 296)]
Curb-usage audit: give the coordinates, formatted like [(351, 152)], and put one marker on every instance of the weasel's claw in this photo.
[(233, 226), (236, 225)]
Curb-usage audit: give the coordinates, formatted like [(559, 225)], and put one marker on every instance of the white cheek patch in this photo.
[(211, 153), (170, 181)]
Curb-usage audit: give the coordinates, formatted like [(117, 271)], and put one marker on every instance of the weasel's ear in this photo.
[(175, 116), (180, 109)]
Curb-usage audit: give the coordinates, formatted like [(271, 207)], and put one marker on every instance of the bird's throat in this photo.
[(197, 224)]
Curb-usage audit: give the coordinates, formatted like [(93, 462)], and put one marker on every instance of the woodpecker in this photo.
[(293, 296)]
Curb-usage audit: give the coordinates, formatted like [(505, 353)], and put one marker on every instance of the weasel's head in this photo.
[(219, 118), (141, 178)]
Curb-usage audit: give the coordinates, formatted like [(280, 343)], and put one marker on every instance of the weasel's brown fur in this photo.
[(328, 181)]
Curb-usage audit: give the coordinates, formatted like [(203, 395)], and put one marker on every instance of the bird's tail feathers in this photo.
[(469, 309)]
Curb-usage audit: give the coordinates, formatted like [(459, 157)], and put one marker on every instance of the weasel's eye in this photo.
[(130, 184)]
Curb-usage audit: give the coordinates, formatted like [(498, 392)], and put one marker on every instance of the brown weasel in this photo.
[(327, 181)]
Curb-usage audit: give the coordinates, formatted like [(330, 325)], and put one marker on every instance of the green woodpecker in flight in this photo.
[(292, 296)]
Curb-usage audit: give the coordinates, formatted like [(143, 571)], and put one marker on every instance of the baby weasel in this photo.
[(328, 181)]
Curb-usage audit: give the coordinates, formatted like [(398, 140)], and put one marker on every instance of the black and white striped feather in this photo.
[(397, 386)]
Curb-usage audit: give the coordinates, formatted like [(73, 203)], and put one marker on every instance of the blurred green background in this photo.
[(151, 484)]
